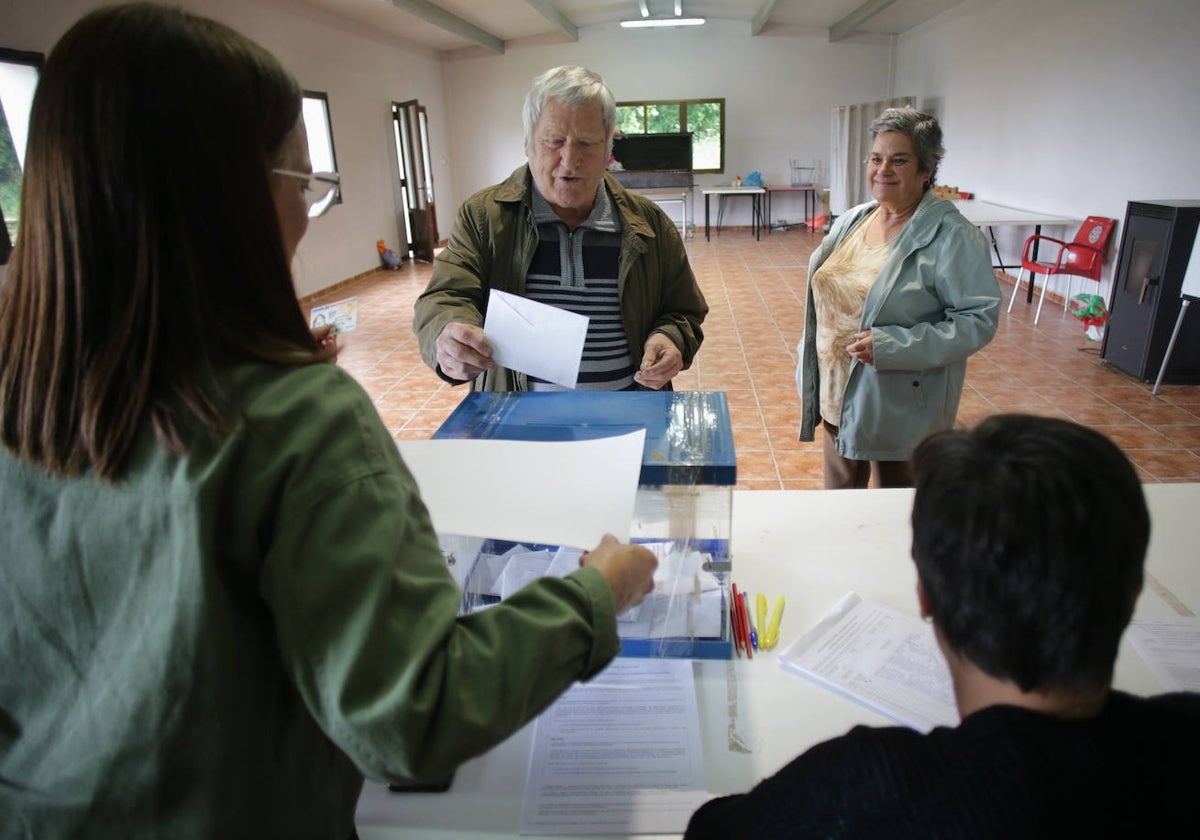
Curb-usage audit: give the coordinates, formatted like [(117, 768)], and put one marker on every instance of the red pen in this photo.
[(743, 633), (735, 623), (745, 626)]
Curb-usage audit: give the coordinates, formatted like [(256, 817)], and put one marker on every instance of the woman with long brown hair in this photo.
[(223, 600)]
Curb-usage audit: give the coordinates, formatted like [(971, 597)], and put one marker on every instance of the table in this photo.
[(670, 195), (813, 546), (984, 214), (809, 195), (756, 197)]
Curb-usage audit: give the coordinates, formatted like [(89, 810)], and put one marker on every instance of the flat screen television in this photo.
[(645, 152), (18, 80)]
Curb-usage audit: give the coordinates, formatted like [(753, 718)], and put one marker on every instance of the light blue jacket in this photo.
[(936, 301)]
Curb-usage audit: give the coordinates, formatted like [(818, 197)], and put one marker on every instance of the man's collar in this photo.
[(602, 218)]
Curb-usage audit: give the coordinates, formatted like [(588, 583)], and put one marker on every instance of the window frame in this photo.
[(322, 99), (37, 61), (683, 123)]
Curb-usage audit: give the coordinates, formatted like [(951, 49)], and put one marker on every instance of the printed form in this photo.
[(618, 755), (880, 657), (1171, 648)]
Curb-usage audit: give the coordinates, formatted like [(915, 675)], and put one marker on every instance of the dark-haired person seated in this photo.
[(1029, 536)]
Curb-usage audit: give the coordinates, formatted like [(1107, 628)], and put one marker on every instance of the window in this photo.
[(319, 128), (18, 79), (705, 118)]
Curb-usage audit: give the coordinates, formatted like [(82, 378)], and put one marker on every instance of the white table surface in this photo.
[(985, 214), (812, 546), (730, 190)]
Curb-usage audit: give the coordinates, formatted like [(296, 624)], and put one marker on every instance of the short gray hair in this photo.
[(572, 86), (921, 128)]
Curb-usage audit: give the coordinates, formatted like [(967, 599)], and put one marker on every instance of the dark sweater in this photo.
[(1003, 772)]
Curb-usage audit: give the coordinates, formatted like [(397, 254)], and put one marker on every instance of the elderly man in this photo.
[(561, 231)]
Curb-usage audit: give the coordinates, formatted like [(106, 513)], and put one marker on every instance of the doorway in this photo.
[(411, 129)]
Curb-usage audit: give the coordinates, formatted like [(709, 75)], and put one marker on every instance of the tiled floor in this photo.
[(756, 294)]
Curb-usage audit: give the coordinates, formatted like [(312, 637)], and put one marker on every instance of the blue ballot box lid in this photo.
[(689, 438)]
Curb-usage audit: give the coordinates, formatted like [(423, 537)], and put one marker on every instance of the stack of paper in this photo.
[(618, 755), (882, 658)]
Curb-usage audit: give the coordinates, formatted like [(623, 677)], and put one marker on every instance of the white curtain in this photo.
[(850, 141)]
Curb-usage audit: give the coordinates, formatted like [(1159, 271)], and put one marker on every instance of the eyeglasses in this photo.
[(321, 192)]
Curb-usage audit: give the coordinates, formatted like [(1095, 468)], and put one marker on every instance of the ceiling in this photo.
[(443, 25)]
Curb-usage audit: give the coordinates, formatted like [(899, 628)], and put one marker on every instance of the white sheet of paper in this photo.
[(1171, 648), (540, 340), (882, 658), (564, 493), (566, 560), (620, 754), (523, 568), (674, 617)]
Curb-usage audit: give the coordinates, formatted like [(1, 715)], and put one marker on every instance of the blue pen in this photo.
[(750, 620)]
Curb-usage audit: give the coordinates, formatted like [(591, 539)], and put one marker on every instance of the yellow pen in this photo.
[(772, 635), (760, 607)]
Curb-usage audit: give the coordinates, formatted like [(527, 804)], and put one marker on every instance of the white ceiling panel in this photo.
[(425, 23)]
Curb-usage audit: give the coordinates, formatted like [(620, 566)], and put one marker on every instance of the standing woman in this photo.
[(221, 599), (900, 293)]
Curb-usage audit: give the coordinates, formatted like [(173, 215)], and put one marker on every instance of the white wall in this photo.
[(361, 73), (778, 90), (1072, 107)]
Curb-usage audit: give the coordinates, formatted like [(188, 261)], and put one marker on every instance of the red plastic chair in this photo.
[(1081, 257)]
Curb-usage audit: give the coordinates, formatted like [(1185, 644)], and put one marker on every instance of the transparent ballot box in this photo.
[(682, 511)]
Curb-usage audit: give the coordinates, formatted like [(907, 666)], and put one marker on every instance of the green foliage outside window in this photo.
[(10, 177), (705, 118)]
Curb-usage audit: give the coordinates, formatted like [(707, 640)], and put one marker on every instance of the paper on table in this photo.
[(882, 658), (565, 493), (540, 340), (1171, 648), (618, 755)]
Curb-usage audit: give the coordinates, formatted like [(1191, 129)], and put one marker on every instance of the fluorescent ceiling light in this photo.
[(671, 21)]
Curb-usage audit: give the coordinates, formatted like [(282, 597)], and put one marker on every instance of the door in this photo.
[(416, 183), (1135, 293)]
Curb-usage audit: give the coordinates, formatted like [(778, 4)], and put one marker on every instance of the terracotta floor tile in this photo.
[(1167, 464), (756, 292), (1186, 436)]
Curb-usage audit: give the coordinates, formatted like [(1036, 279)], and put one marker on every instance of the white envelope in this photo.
[(533, 338)]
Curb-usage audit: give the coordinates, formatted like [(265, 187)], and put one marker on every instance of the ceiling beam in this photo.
[(847, 24), (551, 13), (760, 19), (439, 17)]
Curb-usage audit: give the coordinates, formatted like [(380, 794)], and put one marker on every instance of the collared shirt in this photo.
[(577, 270)]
